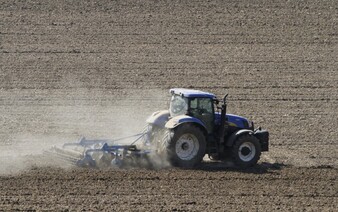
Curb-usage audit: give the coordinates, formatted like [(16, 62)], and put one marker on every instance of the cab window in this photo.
[(203, 105)]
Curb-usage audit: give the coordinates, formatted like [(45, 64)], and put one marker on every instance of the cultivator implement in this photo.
[(103, 153)]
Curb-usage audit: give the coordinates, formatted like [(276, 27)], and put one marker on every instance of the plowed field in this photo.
[(99, 68)]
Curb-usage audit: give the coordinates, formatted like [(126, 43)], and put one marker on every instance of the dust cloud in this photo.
[(25, 153), (36, 120)]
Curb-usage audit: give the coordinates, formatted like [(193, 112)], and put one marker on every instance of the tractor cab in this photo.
[(197, 104)]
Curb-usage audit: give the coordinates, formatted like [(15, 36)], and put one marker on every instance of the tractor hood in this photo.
[(234, 121)]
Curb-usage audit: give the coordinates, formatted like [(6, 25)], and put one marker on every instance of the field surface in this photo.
[(99, 68)]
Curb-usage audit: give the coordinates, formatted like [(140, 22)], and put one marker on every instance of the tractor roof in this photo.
[(191, 93)]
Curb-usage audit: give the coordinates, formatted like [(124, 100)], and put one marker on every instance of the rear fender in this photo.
[(159, 118), (230, 142), (178, 120)]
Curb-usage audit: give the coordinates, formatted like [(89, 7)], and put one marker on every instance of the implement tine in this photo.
[(62, 157)]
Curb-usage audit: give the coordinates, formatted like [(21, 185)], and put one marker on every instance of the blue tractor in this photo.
[(196, 124)]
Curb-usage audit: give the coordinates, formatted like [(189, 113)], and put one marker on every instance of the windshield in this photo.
[(178, 105)]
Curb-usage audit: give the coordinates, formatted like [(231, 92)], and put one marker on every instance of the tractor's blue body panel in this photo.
[(189, 93), (233, 120)]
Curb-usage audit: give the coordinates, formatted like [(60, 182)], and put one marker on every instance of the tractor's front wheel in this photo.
[(246, 151), (185, 146)]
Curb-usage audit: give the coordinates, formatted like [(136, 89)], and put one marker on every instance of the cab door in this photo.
[(202, 109)]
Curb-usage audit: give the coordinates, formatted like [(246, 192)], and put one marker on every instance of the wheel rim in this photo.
[(247, 151), (187, 147)]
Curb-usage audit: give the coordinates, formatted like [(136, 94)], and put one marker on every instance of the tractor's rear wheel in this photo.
[(185, 146), (246, 151)]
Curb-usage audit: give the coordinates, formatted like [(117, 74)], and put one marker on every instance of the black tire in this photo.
[(246, 151), (184, 146)]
